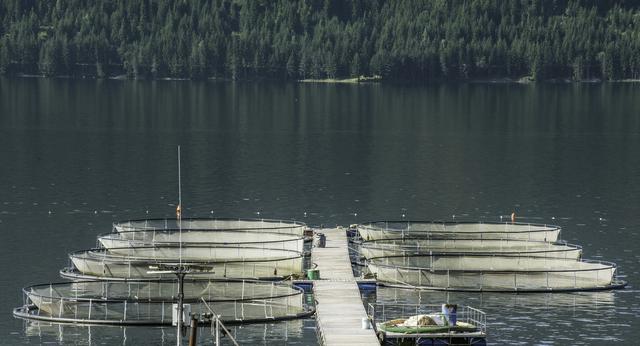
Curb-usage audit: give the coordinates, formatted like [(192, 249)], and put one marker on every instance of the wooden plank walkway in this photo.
[(339, 308)]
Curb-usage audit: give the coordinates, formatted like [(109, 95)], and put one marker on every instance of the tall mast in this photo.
[(180, 273), (179, 209)]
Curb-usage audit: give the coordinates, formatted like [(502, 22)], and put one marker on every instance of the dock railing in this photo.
[(216, 325)]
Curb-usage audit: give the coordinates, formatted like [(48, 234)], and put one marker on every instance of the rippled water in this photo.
[(585, 318), (79, 154), (298, 332)]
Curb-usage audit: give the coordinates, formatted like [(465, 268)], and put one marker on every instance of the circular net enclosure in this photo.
[(274, 226), (499, 272), (151, 302), (213, 262), (415, 246), (458, 230), (226, 238)]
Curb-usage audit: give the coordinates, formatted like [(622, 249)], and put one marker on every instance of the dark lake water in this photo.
[(77, 155)]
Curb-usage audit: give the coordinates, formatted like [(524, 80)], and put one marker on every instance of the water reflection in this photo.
[(550, 318), (94, 152), (294, 332), (591, 300)]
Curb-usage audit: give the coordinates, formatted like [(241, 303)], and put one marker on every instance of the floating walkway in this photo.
[(339, 308)]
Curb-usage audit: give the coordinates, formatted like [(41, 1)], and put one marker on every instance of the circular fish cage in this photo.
[(499, 273), (211, 224), (221, 238), (453, 230), (212, 261), (414, 246), (151, 302)]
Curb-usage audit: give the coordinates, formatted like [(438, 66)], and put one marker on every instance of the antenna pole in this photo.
[(179, 182), (179, 209), (180, 272)]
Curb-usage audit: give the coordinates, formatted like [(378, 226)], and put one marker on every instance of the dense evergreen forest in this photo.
[(416, 40)]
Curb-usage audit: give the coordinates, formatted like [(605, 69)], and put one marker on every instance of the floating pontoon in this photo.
[(390, 320), (458, 230), (150, 303)]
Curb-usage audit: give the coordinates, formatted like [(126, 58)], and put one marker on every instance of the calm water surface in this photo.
[(77, 155)]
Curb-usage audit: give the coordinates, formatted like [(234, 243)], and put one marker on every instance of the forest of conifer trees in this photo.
[(405, 40)]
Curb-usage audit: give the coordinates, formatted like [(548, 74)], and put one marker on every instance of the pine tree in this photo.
[(5, 58), (49, 58), (356, 67), (417, 40), (198, 61), (292, 71)]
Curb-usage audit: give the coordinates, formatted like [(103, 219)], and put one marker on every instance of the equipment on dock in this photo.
[(423, 324), (313, 274), (320, 240)]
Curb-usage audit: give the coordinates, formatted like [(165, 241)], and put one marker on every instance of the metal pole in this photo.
[(217, 330), (179, 209), (180, 275), (193, 338), (179, 181)]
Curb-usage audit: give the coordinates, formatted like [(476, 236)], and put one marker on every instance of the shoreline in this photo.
[(354, 80)]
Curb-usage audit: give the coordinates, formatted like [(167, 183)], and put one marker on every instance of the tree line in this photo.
[(413, 40)]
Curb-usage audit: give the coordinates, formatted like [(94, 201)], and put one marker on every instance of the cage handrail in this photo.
[(282, 224), (444, 232), (394, 242), (217, 317), (103, 253), (286, 236), (295, 290), (371, 224), (461, 252), (606, 266)]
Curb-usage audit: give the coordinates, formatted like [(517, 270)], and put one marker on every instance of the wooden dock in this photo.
[(339, 308)]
